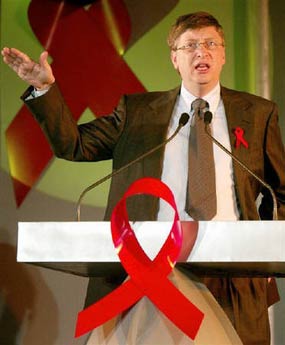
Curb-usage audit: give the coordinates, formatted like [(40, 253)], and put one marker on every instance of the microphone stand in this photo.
[(182, 122)]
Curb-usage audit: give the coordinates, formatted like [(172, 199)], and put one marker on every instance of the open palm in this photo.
[(37, 74)]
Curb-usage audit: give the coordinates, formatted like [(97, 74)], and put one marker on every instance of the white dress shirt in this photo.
[(175, 164)]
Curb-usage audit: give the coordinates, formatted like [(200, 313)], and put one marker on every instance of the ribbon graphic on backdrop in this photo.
[(147, 277), (86, 45), (239, 132)]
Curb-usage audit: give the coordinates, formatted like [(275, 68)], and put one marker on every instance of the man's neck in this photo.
[(200, 90)]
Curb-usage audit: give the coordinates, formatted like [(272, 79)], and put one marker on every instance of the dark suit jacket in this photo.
[(140, 122)]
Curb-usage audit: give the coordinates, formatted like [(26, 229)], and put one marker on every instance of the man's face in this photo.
[(199, 69)]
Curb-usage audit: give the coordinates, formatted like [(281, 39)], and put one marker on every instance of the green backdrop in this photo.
[(149, 59)]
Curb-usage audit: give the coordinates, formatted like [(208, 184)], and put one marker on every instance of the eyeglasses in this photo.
[(192, 46)]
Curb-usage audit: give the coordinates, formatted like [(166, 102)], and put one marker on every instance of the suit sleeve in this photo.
[(274, 168), (92, 141)]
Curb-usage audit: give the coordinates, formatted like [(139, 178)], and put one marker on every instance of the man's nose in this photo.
[(202, 50)]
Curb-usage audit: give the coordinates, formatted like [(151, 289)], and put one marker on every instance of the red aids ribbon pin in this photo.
[(147, 277), (239, 138)]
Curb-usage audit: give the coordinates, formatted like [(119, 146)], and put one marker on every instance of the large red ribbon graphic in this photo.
[(86, 45), (147, 277)]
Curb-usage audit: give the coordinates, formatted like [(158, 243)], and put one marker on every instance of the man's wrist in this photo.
[(39, 92), (45, 86), (33, 92)]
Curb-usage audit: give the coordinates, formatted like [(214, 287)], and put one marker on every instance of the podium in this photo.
[(243, 248)]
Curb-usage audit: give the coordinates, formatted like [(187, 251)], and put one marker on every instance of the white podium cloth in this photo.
[(144, 324), (217, 241)]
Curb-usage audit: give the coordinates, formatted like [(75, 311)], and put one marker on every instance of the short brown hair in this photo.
[(195, 20)]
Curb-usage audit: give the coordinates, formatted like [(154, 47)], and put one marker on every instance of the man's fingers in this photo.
[(20, 56), (43, 59), (14, 56)]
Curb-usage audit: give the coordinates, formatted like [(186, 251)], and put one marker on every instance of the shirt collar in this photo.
[(213, 97)]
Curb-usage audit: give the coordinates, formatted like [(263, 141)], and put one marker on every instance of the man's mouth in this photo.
[(202, 67)]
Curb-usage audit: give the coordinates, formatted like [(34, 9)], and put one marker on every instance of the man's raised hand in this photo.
[(36, 74)]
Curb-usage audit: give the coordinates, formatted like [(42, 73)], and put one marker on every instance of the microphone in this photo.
[(207, 120), (182, 122)]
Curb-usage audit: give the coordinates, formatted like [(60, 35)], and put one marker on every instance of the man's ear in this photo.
[(224, 56), (173, 57)]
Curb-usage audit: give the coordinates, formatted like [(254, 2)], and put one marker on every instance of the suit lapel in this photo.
[(238, 113), (159, 116), (162, 106)]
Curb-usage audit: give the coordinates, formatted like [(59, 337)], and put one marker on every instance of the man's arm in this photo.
[(89, 142), (92, 141)]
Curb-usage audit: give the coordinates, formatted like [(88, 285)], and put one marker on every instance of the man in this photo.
[(142, 121)]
